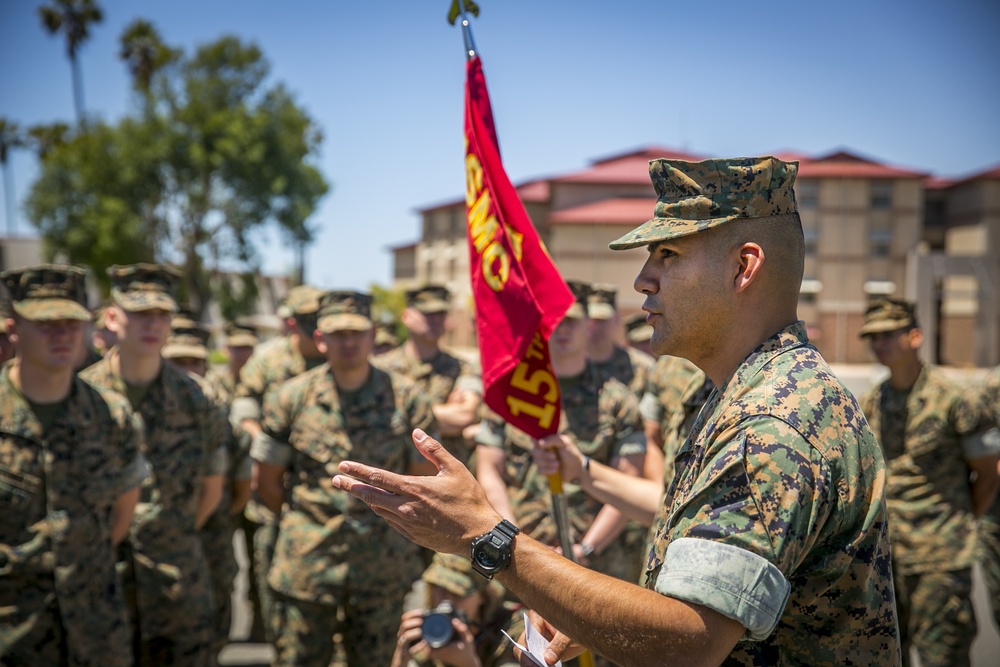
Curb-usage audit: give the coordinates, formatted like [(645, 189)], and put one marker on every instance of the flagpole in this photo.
[(470, 43)]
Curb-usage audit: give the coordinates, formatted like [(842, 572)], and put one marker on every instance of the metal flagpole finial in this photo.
[(463, 8), (470, 43)]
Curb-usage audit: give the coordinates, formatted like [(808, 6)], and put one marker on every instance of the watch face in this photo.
[(488, 556)]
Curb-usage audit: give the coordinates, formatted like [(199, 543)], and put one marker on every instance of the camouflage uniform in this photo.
[(61, 600), (927, 433), (781, 484), (989, 523), (333, 556), (165, 572), (602, 417), (437, 378), (629, 366), (776, 516), (328, 569), (270, 364)]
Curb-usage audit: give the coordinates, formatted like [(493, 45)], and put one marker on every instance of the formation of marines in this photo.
[(124, 481)]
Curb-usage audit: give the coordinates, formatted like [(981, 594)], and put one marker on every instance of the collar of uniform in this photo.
[(792, 336)]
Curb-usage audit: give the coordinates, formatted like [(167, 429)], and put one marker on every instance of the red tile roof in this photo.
[(631, 168), (624, 210), (844, 164)]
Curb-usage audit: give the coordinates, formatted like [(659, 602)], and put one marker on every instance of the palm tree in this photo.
[(11, 137), (73, 18), (46, 137), (144, 53)]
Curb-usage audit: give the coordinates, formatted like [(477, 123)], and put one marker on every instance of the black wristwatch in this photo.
[(491, 551)]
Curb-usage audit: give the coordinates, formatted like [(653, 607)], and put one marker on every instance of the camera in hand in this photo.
[(437, 629)]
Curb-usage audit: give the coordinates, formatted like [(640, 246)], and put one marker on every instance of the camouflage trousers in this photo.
[(264, 539), (217, 542), (358, 633), (936, 617), (989, 538)]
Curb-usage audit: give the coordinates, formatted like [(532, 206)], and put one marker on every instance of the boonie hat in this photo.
[(601, 301), (637, 330), (344, 310), (429, 299), (888, 314), (48, 292), (137, 287), (694, 196), (581, 292)]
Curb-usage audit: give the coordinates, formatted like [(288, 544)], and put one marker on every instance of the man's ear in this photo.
[(11, 329), (916, 337), (319, 340), (750, 259)]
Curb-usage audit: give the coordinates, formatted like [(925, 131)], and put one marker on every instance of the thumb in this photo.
[(433, 451)]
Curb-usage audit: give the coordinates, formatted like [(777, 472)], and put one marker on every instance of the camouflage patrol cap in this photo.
[(637, 330), (429, 299), (601, 301), (240, 335), (385, 334), (48, 292), (137, 287), (694, 196), (344, 310), (455, 575), (581, 292), (301, 300), (888, 314), (188, 339)]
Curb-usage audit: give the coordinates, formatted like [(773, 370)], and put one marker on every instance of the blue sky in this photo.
[(913, 83)]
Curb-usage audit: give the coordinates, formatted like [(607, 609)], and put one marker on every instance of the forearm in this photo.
[(637, 498), (453, 416), (607, 526), (267, 480), (209, 496), (983, 492), (121, 515), (635, 626), (241, 495)]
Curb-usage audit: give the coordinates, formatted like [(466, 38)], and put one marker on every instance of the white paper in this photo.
[(536, 643)]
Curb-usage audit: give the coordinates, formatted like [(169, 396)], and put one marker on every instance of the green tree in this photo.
[(73, 18), (11, 137), (144, 53), (214, 156), (45, 137)]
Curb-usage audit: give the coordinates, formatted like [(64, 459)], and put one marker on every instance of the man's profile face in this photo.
[(894, 347), (685, 281), (347, 349), (51, 345)]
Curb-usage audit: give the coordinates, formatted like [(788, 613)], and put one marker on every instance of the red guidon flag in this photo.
[(520, 296)]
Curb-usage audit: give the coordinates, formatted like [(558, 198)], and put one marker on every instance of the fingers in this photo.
[(434, 451), (378, 481), (557, 648)]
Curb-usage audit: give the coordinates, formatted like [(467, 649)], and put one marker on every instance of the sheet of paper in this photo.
[(536, 643)]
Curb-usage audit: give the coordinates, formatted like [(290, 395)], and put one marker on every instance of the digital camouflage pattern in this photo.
[(781, 463), (136, 287), (602, 418), (61, 601), (888, 314), (437, 378), (930, 501), (344, 310), (694, 196), (629, 366), (936, 616), (429, 299), (182, 435), (675, 391), (48, 292), (989, 523), (332, 551)]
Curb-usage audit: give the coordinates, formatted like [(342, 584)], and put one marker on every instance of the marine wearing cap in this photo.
[(188, 339), (240, 335), (637, 330), (694, 196), (137, 287), (429, 299), (581, 293), (888, 314), (48, 292), (601, 302), (344, 310)]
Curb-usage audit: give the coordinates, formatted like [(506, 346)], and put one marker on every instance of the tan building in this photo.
[(866, 225)]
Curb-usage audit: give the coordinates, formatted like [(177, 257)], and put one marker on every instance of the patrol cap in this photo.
[(581, 292), (240, 335), (454, 574), (137, 287), (637, 330), (888, 314), (188, 339), (601, 301), (694, 196), (48, 292), (385, 334), (429, 299), (344, 310), (301, 300)]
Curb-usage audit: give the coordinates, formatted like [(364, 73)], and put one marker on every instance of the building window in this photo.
[(809, 290), (880, 241), (811, 236), (807, 194), (879, 287), (881, 195)]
